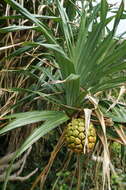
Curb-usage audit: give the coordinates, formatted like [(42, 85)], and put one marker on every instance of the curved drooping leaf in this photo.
[(26, 118), (54, 47), (42, 130), (52, 122)]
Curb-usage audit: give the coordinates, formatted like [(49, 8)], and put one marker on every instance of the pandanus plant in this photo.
[(87, 62)]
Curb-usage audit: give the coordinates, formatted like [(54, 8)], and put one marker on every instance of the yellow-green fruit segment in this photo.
[(75, 136)]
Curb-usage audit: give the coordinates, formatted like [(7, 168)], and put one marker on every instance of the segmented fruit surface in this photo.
[(76, 136)]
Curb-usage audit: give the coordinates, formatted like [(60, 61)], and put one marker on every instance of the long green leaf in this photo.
[(20, 51), (118, 16), (104, 10), (56, 120), (49, 125), (14, 28), (35, 15), (54, 47), (66, 26), (28, 118), (81, 40)]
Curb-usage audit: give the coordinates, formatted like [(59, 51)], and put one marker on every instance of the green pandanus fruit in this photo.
[(76, 136)]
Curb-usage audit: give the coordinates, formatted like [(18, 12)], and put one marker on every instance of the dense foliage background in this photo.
[(61, 56)]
